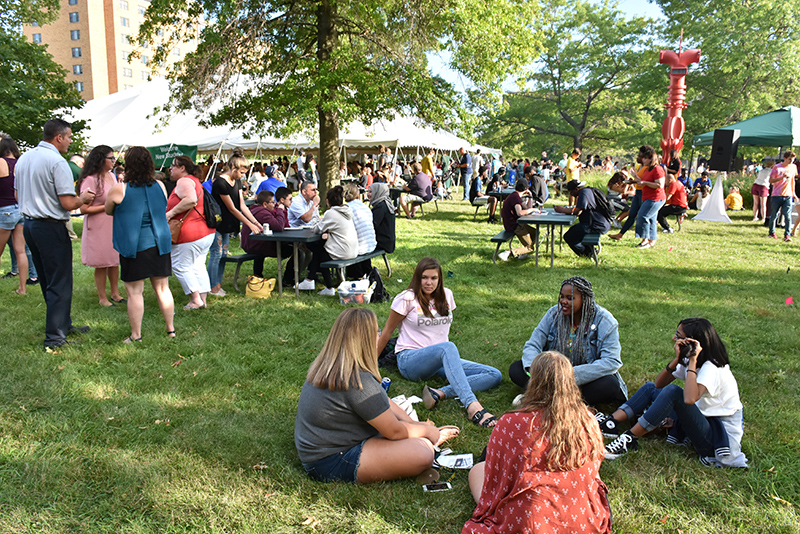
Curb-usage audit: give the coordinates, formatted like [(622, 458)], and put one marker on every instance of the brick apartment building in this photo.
[(93, 41)]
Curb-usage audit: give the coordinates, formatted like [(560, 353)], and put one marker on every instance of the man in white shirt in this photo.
[(305, 207), (46, 196)]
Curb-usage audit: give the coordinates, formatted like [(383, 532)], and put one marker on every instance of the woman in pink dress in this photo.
[(96, 248)]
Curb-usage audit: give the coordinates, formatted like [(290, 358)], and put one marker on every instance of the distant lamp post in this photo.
[(674, 126)]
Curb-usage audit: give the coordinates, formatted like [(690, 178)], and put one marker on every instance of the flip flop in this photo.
[(120, 301), (131, 339), (429, 476)]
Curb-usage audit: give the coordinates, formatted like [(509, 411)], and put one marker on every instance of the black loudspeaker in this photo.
[(723, 151)]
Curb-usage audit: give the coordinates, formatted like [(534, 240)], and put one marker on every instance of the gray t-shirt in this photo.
[(329, 422), (42, 175)]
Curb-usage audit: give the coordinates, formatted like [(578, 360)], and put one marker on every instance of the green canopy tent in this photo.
[(779, 128)]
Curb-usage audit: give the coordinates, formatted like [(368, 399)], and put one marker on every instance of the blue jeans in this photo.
[(636, 203), (14, 268), (443, 360), (656, 404), (219, 248), (784, 204), (646, 227)]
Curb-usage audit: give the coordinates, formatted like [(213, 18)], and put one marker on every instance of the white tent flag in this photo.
[(714, 208)]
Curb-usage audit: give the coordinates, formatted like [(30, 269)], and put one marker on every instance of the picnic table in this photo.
[(295, 236), (501, 194), (551, 219)]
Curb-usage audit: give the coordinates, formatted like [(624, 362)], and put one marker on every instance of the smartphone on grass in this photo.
[(438, 486)]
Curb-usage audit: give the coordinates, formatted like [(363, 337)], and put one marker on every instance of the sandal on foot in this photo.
[(430, 398), (131, 339), (170, 333), (189, 307), (477, 419), (121, 300)]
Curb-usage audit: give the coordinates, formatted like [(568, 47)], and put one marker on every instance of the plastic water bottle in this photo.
[(385, 383)]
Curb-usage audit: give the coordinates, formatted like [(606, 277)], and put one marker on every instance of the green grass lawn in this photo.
[(162, 436)]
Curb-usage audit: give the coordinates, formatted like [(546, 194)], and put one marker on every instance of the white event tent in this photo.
[(127, 118)]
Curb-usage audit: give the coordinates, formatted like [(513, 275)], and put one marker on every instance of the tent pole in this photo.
[(691, 160), (165, 159)]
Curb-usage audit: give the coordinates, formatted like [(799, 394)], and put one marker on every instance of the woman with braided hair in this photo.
[(587, 334)]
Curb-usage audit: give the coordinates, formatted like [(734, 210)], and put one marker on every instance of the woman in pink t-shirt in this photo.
[(782, 179), (424, 313)]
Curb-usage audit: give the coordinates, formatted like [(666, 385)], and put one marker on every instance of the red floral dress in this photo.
[(521, 495)]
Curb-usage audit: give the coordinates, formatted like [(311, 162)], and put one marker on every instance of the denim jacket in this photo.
[(602, 348)]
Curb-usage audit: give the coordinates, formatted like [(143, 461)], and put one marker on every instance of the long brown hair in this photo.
[(350, 348), (438, 296), (573, 432)]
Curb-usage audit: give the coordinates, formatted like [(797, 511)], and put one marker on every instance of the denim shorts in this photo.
[(342, 466), (10, 217)]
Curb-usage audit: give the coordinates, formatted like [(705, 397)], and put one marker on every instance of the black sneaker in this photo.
[(624, 444), (608, 425), (79, 330)]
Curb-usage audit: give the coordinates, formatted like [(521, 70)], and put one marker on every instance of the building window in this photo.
[(145, 76), (75, 35), (77, 69), (123, 5), (142, 9), (79, 86), (126, 56), (37, 38), (126, 86), (176, 52), (76, 52), (35, 24), (145, 60), (124, 22), (74, 17), (128, 73), (73, 2), (126, 39)]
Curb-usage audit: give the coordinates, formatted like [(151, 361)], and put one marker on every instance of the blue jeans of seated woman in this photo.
[(656, 404), (646, 227), (783, 205), (219, 248), (443, 360)]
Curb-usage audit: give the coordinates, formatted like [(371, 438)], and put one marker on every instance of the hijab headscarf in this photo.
[(380, 193)]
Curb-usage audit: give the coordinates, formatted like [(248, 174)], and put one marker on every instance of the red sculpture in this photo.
[(674, 127)]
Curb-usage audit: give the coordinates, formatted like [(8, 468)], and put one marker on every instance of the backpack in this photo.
[(213, 213), (387, 358), (379, 294), (603, 207)]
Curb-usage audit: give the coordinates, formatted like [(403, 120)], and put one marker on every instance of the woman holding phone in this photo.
[(707, 410)]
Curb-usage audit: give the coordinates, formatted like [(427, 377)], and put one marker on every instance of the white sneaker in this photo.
[(523, 257), (220, 293), (504, 255), (668, 230), (327, 292), (517, 400), (306, 285)]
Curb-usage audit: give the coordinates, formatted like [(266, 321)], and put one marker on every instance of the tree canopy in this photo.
[(291, 64), (750, 62), (33, 88), (578, 89)]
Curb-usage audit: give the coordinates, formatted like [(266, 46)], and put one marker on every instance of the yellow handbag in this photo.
[(259, 288)]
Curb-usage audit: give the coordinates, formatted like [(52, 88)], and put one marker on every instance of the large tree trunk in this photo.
[(328, 118)]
